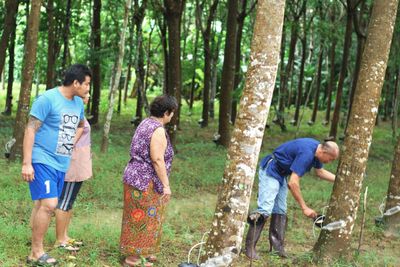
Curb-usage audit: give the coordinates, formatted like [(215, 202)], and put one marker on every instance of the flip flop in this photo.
[(42, 261), (137, 262), (151, 258), (67, 247), (75, 242)]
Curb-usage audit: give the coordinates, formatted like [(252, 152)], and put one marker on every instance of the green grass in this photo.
[(196, 174)]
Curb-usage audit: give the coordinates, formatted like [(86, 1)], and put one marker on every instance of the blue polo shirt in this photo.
[(294, 156), (60, 117)]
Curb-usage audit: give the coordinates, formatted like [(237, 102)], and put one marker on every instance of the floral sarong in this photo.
[(141, 222)]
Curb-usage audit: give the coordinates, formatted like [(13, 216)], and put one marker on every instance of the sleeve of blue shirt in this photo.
[(302, 163), (317, 164), (40, 108), (82, 112)]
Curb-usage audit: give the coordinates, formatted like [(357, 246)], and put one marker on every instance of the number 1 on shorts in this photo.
[(47, 184)]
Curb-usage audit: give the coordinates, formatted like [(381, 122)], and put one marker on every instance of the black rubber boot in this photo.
[(277, 234), (256, 223)]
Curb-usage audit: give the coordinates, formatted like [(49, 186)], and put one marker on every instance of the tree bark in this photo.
[(360, 25), (344, 201), (301, 78), (225, 238), (27, 77), (395, 104), (66, 35), (228, 75), (11, 7), (51, 51), (351, 5), (138, 15), (319, 78), (96, 61), (331, 82), (392, 222), (10, 80), (173, 16), (116, 77), (206, 33)]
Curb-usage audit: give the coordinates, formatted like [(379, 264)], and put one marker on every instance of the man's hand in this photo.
[(166, 194), (28, 174), (310, 213)]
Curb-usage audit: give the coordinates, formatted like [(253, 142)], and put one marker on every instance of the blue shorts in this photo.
[(48, 182)]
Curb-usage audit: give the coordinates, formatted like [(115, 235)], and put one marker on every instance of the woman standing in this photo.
[(146, 185), (79, 170)]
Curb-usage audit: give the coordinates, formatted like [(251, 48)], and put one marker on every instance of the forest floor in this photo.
[(197, 172)]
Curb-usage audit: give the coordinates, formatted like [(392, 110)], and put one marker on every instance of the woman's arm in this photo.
[(158, 145)]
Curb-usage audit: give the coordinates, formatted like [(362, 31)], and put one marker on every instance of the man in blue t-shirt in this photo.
[(54, 119), (279, 172)]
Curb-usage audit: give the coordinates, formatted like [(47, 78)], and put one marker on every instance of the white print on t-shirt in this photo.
[(66, 134)]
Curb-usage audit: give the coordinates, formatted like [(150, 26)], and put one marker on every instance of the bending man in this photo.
[(279, 172)]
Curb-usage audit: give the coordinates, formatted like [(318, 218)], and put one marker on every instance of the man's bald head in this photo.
[(327, 151)]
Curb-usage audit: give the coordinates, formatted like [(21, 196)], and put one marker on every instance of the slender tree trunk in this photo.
[(342, 75), (319, 78), (214, 74), (10, 80), (207, 60), (173, 15), (131, 27), (139, 62), (392, 222), (225, 238), (27, 77), (66, 35), (11, 7), (228, 75), (331, 82), (162, 24), (387, 95), (396, 104), (301, 79), (193, 83), (239, 36), (361, 35), (116, 77), (51, 56), (280, 113), (96, 61), (345, 197)]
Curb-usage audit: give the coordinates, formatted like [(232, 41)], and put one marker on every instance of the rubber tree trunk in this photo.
[(11, 7), (396, 104), (301, 79), (141, 100), (51, 50), (392, 222), (96, 61), (28, 69), (317, 90), (193, 83), (345, 197), (10, 80), (66, 35), (216, 46), (360, 26), (343, 70), (228, 75), (116, 77), (206, 33), (332, 55), (226, 234), (173, 14)]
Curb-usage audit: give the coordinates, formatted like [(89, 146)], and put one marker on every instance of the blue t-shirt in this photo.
[(60, 118), (296, 156)]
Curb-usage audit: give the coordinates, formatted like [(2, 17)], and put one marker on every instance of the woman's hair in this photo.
[(162, 104)]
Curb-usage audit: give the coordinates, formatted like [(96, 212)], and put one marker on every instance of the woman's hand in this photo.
[(166, 194)]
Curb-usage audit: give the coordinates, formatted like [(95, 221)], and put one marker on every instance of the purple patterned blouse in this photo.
[(139, 170)]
